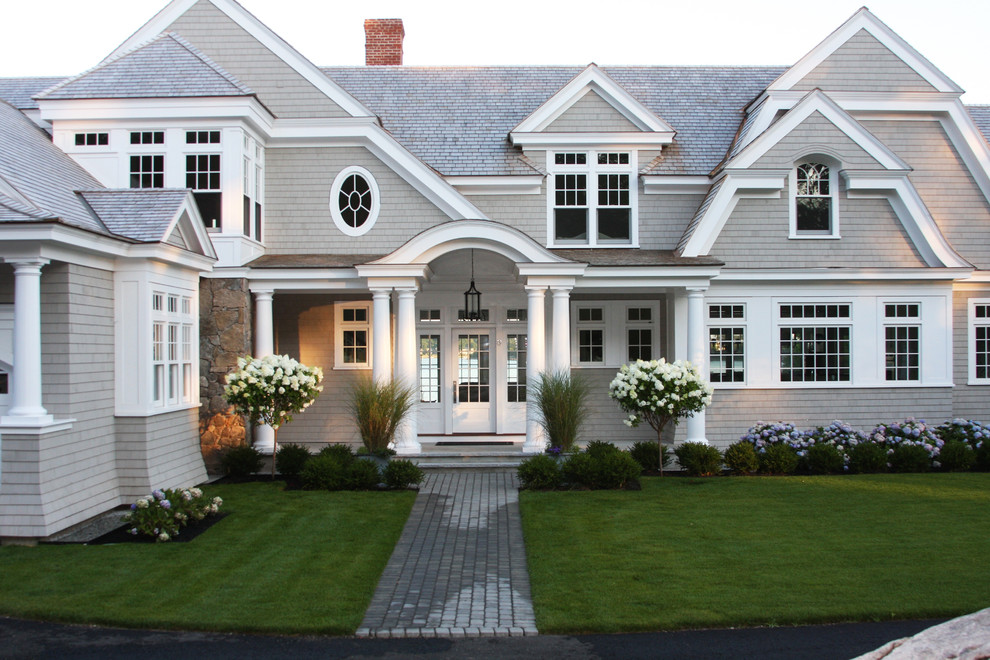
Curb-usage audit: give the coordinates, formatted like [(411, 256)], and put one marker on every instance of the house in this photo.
[(817, 237)]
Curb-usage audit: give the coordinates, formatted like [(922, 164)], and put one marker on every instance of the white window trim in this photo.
[(592, 169), (833, 186), (884, 321), (183, 366), (726, 323), (971, 340), (846, 322), (614, 323), (338, 219), (338, 334)]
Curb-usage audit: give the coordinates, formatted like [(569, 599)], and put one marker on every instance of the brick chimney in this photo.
[(383, 41)]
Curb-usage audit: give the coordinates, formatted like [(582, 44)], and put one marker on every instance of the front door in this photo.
[(473, 391)]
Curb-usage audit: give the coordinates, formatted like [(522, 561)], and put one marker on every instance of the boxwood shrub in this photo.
[(740, 457), (648, 456), (290, 459), (242, 461), (778, 459), (699, 460), (909, 458), (956, 456), (867, 458), (823, 459), (400, 473), (540, 472)]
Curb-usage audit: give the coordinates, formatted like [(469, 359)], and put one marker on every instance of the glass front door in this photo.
[(472, 388)]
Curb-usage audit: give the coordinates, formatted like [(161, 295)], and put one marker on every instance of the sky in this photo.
[(69, 36)]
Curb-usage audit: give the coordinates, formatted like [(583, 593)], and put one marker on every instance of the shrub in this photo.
[(402, 474), (778, 459), (242, 461), (699, 460), (601, 448), (361, 475), (164, 513), (323, 472), (909, 457), (579, 470), (607, 470), (823, 458), (648, 456), (341, 453), (964, 430), (290, 459), (378, 408), (909, 432), (764, 434), (956, 456), (741, 457), (559, 399), (983, 458), (867, 458), (540, 472)]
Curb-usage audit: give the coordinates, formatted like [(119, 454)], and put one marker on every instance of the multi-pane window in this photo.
[(727, 343), (639, 333), (92, 139), (483, 315), (355, 337), (203, 177), (815, 343), (429, 316), (355, 200), (171, 349), (202, 137), (516, 315), (592, 198), (591, 334), (429, 368), (515, 377), (902, 341), (473, 368), (813, 199), (147, 137), (981, 340), (147, 171)]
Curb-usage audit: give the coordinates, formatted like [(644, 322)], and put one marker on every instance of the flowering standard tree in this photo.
[(270, 390), (659, 392)]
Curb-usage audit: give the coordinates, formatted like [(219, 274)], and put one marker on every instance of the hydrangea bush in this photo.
[(165, 512), (964, 430), (271, 389), (909, 432), (659, 392)]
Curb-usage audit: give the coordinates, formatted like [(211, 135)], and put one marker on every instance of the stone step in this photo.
[(473, 459)]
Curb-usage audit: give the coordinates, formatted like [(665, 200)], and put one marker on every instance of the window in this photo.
[(92, 139), (639, 333), (171, 349), (429, 316), (147, 171), (902, 341), (4, 382), (609, 333), (814, 203), (202, 137), (353, 335), (727, 343), (979, 321), (354, 201), (429, 368), (515, 377), (592, 201), (516, 315), (483, 315), (591, 335), (814, 343), (147, 137), (203, 177)]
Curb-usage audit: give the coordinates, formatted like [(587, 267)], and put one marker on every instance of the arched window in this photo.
[(814, 204), (354, 201)]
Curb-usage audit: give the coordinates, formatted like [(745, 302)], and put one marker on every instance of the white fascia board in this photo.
[(178, 110), (531, 184), (978, 277), (171, 255), (369, 134), (817, 101), (312, 73), (192, 225), (394, 271), (618, 140), (763, 184), (553, 270), (592, 78), (864, 20), (912, 212), (659, 184), (785, 275)]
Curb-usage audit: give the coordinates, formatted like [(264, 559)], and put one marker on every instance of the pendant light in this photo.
[(472, 297)]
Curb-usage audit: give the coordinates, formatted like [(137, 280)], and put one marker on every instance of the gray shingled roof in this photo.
[(168, 66), (457, 120), (141, 215), (19, 92), (981, 117)]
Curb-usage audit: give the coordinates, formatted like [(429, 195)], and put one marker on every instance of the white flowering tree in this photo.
[(270, 390), (659, 392)]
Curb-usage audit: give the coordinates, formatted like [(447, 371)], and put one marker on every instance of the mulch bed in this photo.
[(186, 534)]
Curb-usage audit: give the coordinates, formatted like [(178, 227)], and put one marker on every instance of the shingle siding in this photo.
[(846, 70), (662, 219), (298, 221), (161, 451), (816, 134), (590, 113), (969, 401)]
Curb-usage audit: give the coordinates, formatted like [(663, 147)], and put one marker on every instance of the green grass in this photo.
[(695, 553), (285, 562)]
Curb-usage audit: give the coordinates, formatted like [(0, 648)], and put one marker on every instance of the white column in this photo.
[(381, 358), (26, 405), (264, 344), (696, 344), (407, 441), (561, 349), (536, 362)]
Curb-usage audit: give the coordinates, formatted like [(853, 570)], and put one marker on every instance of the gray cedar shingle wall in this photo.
[(590, 113), (945, 185), (813, 135), (662, 219), (844, 70), (606, 421), (161, 451), (969, 401), (872, 236), (282, 89), (734, 411), (527, 213), (297, 199)]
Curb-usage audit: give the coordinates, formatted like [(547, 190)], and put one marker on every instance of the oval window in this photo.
[(354, 201)]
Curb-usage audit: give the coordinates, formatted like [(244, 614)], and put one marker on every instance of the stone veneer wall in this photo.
[(225, 320)]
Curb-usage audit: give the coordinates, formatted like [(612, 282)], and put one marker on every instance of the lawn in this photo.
[(720, 552), (282, 561)]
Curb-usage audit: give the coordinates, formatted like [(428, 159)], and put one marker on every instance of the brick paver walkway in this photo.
[(459, 569)]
